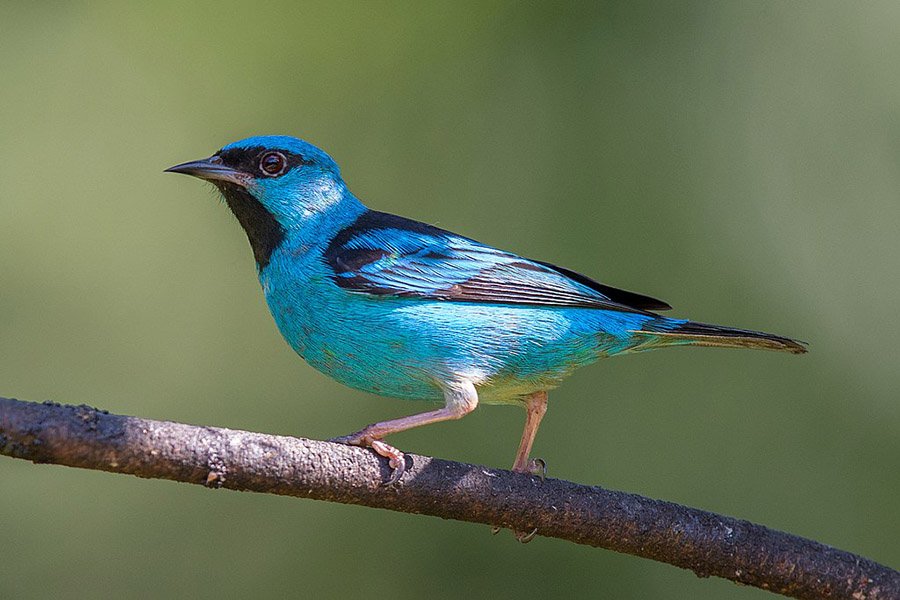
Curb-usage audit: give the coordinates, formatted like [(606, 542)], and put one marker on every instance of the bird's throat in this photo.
[(263, 230)]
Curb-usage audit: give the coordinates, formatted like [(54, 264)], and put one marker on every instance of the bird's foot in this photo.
[(520, 535), (538, 468), (396, 459), (353, 439), (525, 537)]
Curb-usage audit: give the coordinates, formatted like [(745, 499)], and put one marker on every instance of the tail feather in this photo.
[(702, 334)]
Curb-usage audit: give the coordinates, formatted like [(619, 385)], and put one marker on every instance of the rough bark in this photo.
[(704, 542)]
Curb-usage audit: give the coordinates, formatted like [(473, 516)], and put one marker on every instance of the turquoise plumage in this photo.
[(400, 308)]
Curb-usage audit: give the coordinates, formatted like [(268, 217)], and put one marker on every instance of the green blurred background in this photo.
[(738, 160)]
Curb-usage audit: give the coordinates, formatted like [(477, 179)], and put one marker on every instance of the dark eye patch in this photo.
[(246, 160)]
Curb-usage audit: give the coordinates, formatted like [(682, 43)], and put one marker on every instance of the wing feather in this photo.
[(382, 254)]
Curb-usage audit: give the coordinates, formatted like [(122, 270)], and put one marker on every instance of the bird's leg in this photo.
[(535, 407), (460, 398)]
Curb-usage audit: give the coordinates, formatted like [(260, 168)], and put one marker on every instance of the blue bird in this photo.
[(400, 308)]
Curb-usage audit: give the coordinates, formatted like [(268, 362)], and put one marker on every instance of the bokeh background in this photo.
[(739, 160)]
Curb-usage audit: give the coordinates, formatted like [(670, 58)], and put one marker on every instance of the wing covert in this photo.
[(383, 254)]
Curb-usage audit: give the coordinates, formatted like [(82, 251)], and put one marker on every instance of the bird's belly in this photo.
[(405, 348)]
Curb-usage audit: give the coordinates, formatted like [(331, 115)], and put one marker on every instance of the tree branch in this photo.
[(706, 543)]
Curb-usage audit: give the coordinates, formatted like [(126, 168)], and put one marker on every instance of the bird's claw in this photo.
[(347, 440), (526, 537), (537, 467), (396, 459), (520, 535)]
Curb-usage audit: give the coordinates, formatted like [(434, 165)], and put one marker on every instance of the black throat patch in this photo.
[(264, 232)]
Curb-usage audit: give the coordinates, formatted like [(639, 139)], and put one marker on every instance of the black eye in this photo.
[(272, 163)]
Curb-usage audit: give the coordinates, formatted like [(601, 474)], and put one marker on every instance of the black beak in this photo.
[(211, 169)]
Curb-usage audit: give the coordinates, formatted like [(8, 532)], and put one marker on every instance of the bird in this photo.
[(404, 309)]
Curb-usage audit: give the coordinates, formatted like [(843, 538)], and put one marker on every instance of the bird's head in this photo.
[(272, 184)]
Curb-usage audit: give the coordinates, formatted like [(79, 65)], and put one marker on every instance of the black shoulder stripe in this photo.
[(373, 219), (343, 259), (353, 259)]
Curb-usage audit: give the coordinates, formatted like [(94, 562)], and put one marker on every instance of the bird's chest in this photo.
[(296, 288), (317, 318), (341, 334)]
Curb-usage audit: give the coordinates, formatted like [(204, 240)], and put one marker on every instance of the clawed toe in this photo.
[(537, 467), (525, 537), (520, 535), (396, 459), (347, 440)]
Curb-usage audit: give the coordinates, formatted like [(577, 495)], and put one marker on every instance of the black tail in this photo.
[(701, 334)]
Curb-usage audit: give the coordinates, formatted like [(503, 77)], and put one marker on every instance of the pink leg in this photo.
[(460, 398), (535, 407)]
